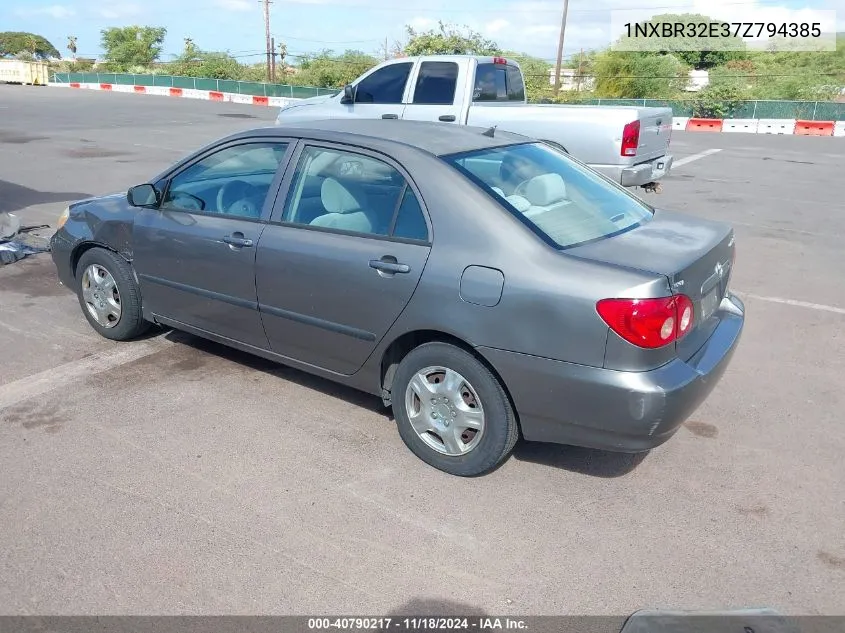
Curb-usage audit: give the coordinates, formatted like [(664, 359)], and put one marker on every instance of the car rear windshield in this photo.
[(565, 202)]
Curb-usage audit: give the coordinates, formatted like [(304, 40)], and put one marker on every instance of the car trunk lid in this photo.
[(695, 256)]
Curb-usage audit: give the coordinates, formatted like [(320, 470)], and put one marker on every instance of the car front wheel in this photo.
[(451, 411), (109, 295)]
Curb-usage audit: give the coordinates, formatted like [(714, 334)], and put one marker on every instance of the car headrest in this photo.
[(336, 198), (545, 190)]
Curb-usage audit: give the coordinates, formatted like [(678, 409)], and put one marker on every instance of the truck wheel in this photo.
[(109, 296), (451, 411)]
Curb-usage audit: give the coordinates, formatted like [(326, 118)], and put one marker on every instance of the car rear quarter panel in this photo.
[(547, 304)]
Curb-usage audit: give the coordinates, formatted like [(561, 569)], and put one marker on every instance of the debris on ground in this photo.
[(17, 242)]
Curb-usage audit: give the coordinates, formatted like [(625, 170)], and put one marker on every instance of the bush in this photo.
[(717, 101)]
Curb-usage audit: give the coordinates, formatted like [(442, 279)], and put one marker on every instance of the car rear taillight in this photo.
[(630, 138), (648, 323), (500, 61)]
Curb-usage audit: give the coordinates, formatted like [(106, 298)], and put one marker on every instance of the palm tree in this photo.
[(71, 46)]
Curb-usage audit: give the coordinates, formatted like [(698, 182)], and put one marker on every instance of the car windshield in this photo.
[(566, 202)]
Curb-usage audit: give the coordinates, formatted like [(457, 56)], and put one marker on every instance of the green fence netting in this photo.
[(809, 110), (197, 83)]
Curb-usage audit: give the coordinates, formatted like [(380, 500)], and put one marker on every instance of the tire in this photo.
[(448, 409), (120, 304)]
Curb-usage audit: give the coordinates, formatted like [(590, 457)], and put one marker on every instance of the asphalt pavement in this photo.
[(175, 476)]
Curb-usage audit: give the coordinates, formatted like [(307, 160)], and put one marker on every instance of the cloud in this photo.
[(496, 26), (56, 11), (235, 5), (115, 11), (421, 23)]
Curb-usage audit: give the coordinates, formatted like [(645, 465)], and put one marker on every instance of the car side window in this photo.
[(233, 181), (386, 85), (347, 191), (436, 83), (410, 221)]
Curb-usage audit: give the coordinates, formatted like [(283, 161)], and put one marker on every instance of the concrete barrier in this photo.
[(814, 128), (839, 128), (740, 125), (704, 125), (679, 122), (776, 126)]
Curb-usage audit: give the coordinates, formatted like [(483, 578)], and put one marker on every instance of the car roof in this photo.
[(436, 138)]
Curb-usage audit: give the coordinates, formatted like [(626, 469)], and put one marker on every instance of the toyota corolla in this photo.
[(487, 286)]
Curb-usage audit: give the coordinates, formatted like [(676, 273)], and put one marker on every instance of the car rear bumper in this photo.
[(638, 175), (564, 403)]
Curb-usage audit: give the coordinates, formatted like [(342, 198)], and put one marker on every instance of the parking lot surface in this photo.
[(172, 475)]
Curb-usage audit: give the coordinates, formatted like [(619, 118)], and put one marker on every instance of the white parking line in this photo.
[(685, 161), (44, 382), (795, 302)]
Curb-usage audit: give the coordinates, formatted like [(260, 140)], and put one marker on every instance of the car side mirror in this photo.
[(145, 196), (348, 94)]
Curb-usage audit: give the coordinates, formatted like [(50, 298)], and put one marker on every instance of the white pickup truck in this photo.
[(628, 144)]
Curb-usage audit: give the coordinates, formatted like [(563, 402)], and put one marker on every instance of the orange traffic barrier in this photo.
[(105, 86), (215, 96), (175, 92), (814, 128), (704, 125), (75, 85), (140, 88), (260, 101)]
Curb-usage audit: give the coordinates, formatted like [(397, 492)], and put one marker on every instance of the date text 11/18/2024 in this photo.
[(417, 624)]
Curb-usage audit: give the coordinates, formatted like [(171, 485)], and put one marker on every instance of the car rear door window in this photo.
[(410, 221), (436, 83), (351, 192), (233, 181), (386, 85)]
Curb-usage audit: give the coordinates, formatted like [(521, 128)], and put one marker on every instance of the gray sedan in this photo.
[(484, 285)]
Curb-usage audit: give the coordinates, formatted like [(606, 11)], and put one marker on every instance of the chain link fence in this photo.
[(807, 110), (253, 88)]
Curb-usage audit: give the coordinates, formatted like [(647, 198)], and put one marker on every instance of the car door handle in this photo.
[(447, 118), (389, 116), (237, 240), (387, 266)]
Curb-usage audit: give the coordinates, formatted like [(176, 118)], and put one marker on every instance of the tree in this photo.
[(698, 52), (448, 39), (15, 42), (327, 70), (132, 45), (536, 73), (71, 45), (624, 75)]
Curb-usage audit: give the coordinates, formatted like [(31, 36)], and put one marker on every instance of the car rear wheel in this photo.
[(109, 295), (451, 411)]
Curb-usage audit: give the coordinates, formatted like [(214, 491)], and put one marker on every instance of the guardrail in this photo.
[(253, 88)]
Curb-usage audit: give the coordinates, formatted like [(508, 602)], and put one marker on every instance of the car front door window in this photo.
[(386, 85), (232, 182)]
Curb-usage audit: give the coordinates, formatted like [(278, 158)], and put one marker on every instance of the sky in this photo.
[(237, 26)]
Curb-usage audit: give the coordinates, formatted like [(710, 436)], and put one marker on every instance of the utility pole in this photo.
[(560, 45), (386, 50), (273, 59), (269, 48)]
